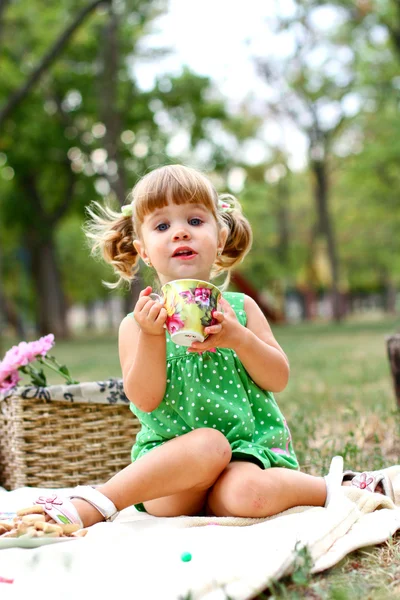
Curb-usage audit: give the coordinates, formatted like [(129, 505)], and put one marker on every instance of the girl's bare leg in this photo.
[(246, 490), (171, 480)]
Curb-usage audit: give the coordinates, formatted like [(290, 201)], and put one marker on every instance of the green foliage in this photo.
[(48, 174), (82, 275)]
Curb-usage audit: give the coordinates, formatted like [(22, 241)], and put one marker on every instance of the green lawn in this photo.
[(340, 399)]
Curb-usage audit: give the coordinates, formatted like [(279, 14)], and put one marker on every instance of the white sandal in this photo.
[(388, 478), (61, 509)]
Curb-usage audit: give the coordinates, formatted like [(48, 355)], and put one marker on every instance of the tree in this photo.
[(314, 96), (42, 161)]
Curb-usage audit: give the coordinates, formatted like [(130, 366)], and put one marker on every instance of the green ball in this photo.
[(186, 557)]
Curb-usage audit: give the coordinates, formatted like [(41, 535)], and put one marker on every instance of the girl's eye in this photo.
[(162, 227), (195, 221)]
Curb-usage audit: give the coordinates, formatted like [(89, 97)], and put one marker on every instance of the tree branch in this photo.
[(49, 58)]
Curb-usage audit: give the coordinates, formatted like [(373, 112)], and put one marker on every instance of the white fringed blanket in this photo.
[(140, 557)]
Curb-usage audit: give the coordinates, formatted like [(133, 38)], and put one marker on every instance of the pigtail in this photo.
[(111, 236), (239, 239)]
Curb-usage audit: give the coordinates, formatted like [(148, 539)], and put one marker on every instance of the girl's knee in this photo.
[(241, 495), (212, 450), (212, 441)]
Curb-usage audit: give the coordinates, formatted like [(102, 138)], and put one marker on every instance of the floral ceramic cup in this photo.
[(190, 305)]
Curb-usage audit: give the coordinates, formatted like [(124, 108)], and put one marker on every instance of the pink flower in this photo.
[(42, 346), (202, 296), (49, 502), (8, 380), (187, 296), (214, 321), (364, 482), (20, 356), (17, 356), (174, 323), (25, 353)]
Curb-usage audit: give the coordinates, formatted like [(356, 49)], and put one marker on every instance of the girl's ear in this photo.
[(139, 247)]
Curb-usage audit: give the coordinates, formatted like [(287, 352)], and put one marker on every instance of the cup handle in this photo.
[(156, 297)]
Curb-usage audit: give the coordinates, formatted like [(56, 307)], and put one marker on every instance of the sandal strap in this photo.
[(98, 500), (60, 509), (334, 478)]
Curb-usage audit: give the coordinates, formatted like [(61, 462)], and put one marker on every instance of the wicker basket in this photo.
[(62, 436)]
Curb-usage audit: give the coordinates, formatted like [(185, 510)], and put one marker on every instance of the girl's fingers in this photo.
[(226, 306), (218, 316), (213, 329), (154, 310), (161, 316), (141, 303), (147, 290)]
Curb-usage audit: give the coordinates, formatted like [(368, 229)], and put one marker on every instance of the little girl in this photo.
[(213, 440)]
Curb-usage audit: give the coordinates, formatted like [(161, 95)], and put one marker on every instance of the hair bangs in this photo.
[(172, 184)]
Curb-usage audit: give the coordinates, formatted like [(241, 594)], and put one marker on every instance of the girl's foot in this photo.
[(86, 506)]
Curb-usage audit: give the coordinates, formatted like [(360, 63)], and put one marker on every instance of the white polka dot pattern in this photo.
[(221, 396)]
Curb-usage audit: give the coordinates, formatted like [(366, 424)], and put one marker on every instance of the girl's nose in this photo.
[(181, 234)]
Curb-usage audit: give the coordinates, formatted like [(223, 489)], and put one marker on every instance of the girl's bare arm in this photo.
[(142, 352), (260, 353)]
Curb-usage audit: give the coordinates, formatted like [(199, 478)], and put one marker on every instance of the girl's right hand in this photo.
[(150, 314)]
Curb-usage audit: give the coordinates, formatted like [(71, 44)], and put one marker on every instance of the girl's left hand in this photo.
[(225, 334)]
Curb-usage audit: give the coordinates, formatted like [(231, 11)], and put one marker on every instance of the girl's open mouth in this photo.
[(185, 256), (184, 253)]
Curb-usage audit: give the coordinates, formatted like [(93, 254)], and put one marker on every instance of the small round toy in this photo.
[(186, 557)]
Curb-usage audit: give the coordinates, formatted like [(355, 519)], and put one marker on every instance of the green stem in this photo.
[(47, 363), (45, 360)]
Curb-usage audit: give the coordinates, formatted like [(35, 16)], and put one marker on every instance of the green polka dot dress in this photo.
[(214, 390)]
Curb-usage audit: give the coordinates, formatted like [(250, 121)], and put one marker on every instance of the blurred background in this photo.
[(293, 106)]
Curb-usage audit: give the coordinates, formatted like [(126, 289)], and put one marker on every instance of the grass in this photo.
[(339, 400)]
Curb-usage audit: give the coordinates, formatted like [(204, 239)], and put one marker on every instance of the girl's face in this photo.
[(180, 241)]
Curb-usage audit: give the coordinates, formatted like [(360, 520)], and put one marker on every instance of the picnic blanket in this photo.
[(146, 558)]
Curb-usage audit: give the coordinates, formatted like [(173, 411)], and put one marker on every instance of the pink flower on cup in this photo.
[(202, 296), (213, 319), (174, 323), (187, 296)]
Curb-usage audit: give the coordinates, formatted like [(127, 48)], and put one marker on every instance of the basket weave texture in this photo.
[(62, 436)]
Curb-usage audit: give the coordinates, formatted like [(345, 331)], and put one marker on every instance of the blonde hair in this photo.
[(112, 233)]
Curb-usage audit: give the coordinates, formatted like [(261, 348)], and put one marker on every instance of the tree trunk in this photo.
[(3, 6), (325, 227), (109, 104), (390, 298), (111, 118), (283, 220), (89, 316), (390, 292), (132, 297), (51, 309), (2, 309), (393, 347)]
